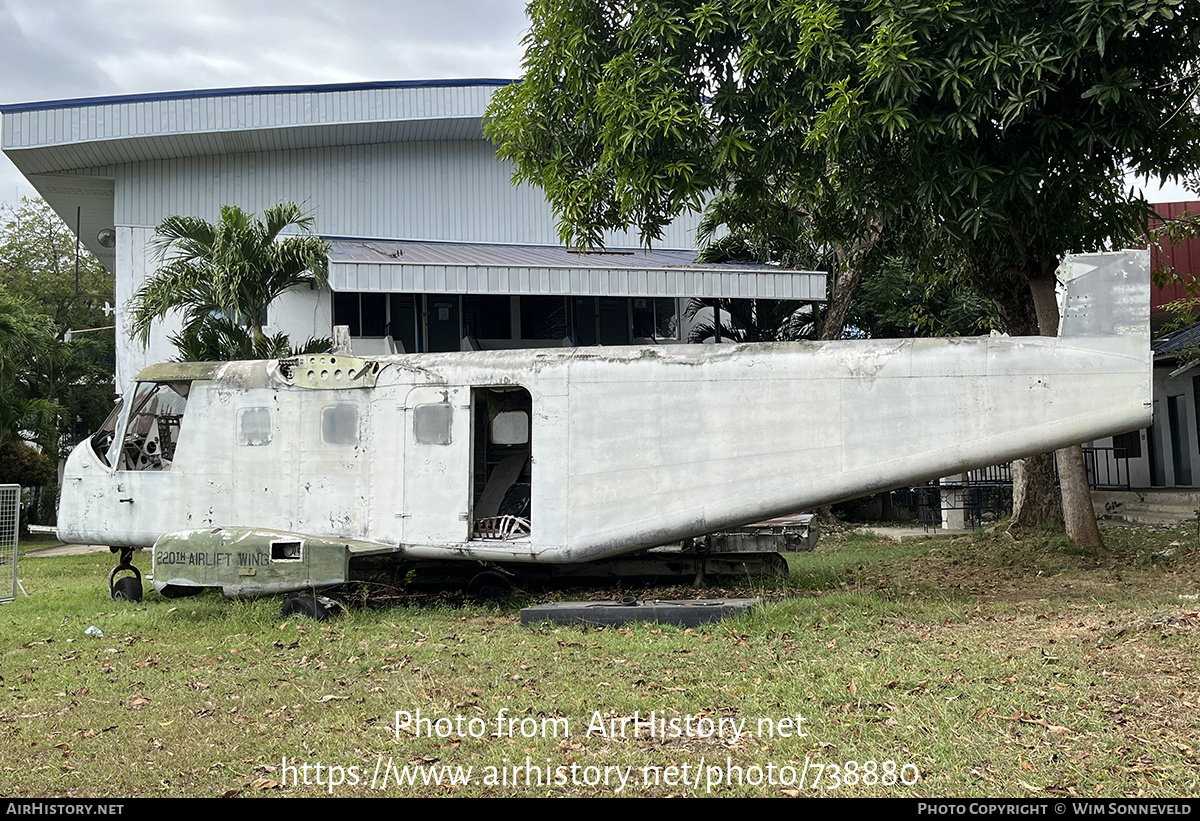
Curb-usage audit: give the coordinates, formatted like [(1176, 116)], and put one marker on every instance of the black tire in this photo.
[(490, 584), (127, 588), (305, 606), (179, 591), (776, 564)]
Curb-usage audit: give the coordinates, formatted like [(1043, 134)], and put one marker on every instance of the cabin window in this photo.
[(254, 427), (152, 427), (510, 428), (431, 423), (339, 425)]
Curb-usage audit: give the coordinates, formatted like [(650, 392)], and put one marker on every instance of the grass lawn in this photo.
[(982, 666)]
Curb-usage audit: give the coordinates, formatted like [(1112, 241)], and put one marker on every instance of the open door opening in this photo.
[(503, 476)]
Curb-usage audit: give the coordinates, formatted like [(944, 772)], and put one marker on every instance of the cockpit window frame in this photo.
[(138, 396)]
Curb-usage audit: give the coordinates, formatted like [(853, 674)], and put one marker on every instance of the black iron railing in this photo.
[(985, 494), (1107, 468)]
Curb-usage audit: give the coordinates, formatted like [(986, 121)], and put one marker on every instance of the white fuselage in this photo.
[(627, 447)]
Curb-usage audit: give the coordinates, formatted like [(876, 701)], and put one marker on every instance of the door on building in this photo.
[(444, 330), (1181, 454)]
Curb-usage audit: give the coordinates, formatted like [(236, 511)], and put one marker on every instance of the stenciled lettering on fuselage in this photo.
[(202, 559)]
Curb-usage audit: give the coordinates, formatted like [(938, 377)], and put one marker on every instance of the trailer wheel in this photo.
[(127, 588), (305, 606), (179, 591), (776, 565), (490, 584)]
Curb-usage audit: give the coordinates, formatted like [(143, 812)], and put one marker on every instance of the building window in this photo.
[(1131, 443), (543, 317), (655, 318), (365, 314), (487, 316), (378, 315)]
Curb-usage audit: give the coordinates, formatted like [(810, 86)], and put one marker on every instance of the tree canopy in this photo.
[(1009, 124), (1013, 121), (52, 391), (223, 276), (39, 263)]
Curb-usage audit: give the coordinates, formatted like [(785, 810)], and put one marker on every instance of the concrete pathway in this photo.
[(67, 550)]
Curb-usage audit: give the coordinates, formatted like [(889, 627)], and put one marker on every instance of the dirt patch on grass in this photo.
[(993, 566)]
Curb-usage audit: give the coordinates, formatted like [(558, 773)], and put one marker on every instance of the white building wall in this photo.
[(1185, 436), (456, 190), (1160, 440), (301, 313), (443, 190), (135, 262)]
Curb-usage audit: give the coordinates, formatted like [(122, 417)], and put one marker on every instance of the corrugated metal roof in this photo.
[(1177, 341), (64, 134), (190, 94), (450, 267)]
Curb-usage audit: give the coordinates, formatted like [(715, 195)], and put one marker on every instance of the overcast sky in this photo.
[(58, 49)]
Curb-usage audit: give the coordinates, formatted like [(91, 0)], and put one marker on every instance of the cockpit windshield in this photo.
[(151, 427)]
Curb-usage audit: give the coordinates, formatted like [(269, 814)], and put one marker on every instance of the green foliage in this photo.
[(51, 391), (38, 266), (220, 339), (1013, 123), (904, 299), (26, 339), (752, 320), (223, 277), (22, 465), (913, 284)]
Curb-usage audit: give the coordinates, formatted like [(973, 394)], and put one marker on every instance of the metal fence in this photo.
[(985, 494), (924, 505), (1107, 468), (10, 525)]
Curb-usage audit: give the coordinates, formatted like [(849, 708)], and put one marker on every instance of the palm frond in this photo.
[(231, 270)]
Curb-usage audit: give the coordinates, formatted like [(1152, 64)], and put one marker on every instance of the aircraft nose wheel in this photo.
[(127, 587)]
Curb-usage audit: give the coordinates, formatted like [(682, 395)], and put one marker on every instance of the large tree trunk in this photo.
[(1079, 515), (1036, 503), (1025, 300), (851, 271), (844, 288)]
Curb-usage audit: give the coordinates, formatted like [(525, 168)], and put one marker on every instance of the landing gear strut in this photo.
[(126, 587)]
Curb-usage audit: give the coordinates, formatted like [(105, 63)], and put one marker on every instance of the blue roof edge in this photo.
[(82, 102)]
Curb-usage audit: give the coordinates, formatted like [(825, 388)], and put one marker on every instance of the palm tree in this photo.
[(229, 272), (222, 338)]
